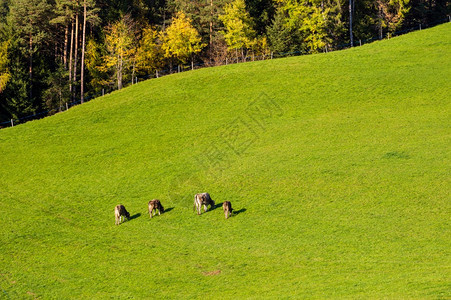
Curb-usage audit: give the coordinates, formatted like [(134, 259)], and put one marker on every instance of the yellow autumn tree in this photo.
[(4, 71), (310, 18), (149, 54), (181, 40), (120, 47), (94, 62), (239, 33), (314, 26)]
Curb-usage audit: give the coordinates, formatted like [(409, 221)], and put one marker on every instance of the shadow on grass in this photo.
[(135, 216), (168, 209), (237, 212), (217, 205)]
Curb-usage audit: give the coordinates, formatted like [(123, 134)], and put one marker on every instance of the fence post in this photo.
[(226, 61), (360, 41), (272, 54), (12, 123), (420, 26), (67, 106), (103, 92)]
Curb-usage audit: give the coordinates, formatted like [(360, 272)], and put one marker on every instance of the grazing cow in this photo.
[(227, 207), (119, 212), (155, 204), (203, 199)]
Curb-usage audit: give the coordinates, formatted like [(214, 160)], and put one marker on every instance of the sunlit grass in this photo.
[(337, 166)]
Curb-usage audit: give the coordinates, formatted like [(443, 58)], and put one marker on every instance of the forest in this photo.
[(56, 52)]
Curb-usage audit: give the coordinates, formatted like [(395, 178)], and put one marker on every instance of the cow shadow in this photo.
[(134, 216), (168, 209), (217, 205), (237, 212)]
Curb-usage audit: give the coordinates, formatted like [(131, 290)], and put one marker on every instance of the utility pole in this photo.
[(350, 23)]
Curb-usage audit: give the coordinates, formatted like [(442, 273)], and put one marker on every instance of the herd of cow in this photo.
[(202, 199)]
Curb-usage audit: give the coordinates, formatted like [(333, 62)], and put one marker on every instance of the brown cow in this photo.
[(155, 204), (203, 199), (227, 207), (119, 212)]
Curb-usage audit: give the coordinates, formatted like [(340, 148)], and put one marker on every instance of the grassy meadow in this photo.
[(337, 166)]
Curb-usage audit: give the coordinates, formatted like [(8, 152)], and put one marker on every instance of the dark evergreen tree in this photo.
[(262, 11), (282, 38), (56, 95), (29, 27), (427, 11)]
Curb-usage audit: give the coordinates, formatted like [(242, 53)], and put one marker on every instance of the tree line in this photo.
[(53, 52)]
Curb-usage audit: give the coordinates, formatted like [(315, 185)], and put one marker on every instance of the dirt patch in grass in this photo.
[(212, 273)]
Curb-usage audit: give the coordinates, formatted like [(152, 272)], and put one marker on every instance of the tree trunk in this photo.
[(133, 71), (119, 72), (56, 52), (164, 20), (30, 71), (211, 23), (70, 57), (75, 51), (350, 23), (82, 73), (381, 16), (60, 98), (66, 37)]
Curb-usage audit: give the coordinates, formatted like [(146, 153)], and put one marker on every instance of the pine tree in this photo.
[(14, 100), (427, 11), (55, 96), (263, 12), (89, 16), (61, 18), (283, 39), (29, 20)]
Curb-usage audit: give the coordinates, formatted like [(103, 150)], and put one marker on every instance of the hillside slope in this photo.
[(337, 166)]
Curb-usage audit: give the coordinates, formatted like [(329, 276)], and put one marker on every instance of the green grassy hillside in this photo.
[(336, 164)]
